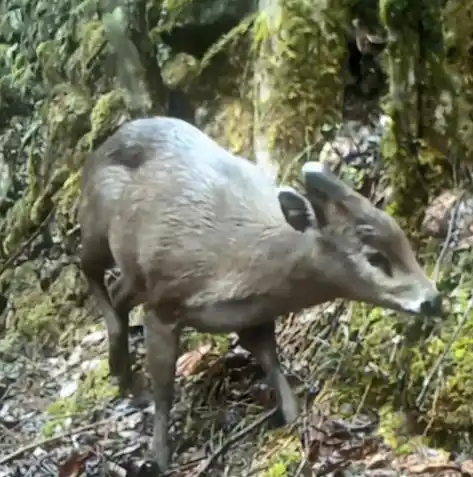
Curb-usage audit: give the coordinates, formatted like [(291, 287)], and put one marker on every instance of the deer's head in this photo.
[(359, 250)]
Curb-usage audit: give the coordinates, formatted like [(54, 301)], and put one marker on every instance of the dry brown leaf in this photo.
[(194, 361), (420, 464), (432, 467), (74, 465), (430, 464)]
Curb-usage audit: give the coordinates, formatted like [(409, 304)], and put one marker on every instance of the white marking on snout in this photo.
[(414, 303), (413, 306)]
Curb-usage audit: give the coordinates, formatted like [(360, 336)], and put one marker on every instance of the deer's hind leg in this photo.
[(96, 258), (260, 341)]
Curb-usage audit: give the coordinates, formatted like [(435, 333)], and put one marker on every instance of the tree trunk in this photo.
[(301, 49), (421, 106)]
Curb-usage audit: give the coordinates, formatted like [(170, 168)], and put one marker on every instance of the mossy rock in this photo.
[(232, 126), (207, 13), (17, 225), (29, 211), (305, 77), (4, 47), (43, 205), (23, 278), (21, 70), (86, 64), (47, 317), (180, 71), (68, 116), (48, 53), (81, 152), (6, 279), (67, 202), (109, 112), (69, 286)]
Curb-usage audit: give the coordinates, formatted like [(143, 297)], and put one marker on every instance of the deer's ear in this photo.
[(296, 208), (321, 183), (320, 180)]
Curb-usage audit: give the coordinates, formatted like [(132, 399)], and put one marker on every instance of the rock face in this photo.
[(198, 25)]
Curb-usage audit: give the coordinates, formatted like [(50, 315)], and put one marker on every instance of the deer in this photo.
[(206, 239)]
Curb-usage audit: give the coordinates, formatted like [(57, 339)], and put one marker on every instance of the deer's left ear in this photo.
[(297, 210)]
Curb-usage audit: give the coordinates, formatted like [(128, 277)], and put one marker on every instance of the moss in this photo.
[(93, 390), (304, 71), (85, 64), (4, 47), (5, 280), (20, 67), (69, 286), (280, 453), (68, 116), (418, 140), (48, 53), (67, 201), (43, 205), (35, 316), (17, 224), (232, 126), (67, 119), (81, 152), (23, 278), (47, 317), (110, 109), (409, 197), (179, 71), (458, 24), (394, 428), (387, 366)]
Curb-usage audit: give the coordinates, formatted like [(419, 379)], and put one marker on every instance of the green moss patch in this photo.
[(94, 390)]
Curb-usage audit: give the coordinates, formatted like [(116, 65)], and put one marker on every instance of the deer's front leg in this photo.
[(260, 341), (162, 343)]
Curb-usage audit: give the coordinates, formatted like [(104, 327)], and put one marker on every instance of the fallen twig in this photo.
[(9, 261), (448, 239), (50, 440), (203, 468)]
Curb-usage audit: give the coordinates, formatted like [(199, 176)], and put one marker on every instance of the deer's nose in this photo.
[(432, 306)]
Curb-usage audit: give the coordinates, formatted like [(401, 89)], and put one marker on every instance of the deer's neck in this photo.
[(293, 270)]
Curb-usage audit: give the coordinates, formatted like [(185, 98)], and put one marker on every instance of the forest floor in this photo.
[(224, 423)]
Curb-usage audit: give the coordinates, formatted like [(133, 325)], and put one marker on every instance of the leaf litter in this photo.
[(222, 413)]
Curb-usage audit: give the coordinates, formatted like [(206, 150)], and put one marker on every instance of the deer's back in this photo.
[(192, 220)]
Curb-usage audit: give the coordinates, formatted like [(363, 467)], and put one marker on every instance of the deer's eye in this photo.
[(378, 260)]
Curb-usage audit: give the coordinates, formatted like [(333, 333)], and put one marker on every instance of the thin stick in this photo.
[(50, 440), (448, 238), (231, 440), (20, 249)]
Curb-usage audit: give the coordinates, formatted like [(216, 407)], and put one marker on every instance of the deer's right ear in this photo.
[(296, 209), (320, 180)]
